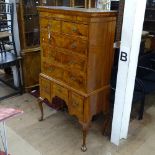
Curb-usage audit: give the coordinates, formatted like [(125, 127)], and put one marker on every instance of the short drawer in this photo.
[(63, 16), (75, 29), (50, 25), (50, 39), (45, 88), (60, 91), (76, 105), (44, 14)]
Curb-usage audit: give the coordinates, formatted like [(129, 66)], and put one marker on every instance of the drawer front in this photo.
[(45, 88), (48, 52), (54, 57), (74, 44), (75, 29), (54, 26), (52, 71), (65, 59), (57, 16), (75, 80), (51, 39), (73, 62), (50, 25), (43, 23), (76, 105), (60, 92)]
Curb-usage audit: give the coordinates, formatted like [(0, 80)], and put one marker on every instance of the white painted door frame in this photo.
[(133, 19)]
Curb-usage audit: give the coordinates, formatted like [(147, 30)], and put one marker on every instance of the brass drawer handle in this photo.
[(73, 78), (46, 88), (74, 29), (74, 45), (75, 103), (49, 35), (48, 29), (71, 62), (59, 90), (50, 69)]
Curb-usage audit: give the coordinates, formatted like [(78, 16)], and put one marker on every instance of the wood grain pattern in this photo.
[(75, 29), (31, 57), (30, 54), (76, 59)]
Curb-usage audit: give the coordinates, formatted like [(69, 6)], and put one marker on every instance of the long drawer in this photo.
[(74, 79), (65, 59), (52, 71), (74, 44)]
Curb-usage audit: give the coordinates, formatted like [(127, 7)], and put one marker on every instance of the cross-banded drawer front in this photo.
[(75, 29), (75, 80), (45, 88), (76, 105), (51, 39), (52, 71), (48, 52), (43, 23), (73, 62), (74, 44), (60, 92), (50, 25)]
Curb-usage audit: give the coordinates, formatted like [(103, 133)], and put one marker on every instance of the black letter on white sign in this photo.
[(123, 56)]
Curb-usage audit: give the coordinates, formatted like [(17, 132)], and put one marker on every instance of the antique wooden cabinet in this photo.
[(28, 20), (76, 59)]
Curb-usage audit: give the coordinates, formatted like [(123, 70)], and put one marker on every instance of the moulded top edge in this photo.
[(72, 10)]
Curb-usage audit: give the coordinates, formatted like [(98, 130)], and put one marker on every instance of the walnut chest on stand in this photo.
[(76, 60)]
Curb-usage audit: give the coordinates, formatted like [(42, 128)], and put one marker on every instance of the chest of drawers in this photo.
[(76, 59)]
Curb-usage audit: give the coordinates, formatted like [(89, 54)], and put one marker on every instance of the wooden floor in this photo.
[(60, 134)]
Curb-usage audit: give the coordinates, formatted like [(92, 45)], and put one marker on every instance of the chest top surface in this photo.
[(93, 12)]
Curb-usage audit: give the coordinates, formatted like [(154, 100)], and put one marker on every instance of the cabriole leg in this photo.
[(85, 128), (40, 103)]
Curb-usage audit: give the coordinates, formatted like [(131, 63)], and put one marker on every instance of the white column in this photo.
[(129, 51)]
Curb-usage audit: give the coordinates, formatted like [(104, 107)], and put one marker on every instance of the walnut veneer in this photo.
[(76, 59)]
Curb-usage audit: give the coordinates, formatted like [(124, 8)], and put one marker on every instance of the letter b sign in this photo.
[(123, 56)]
